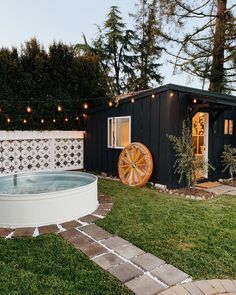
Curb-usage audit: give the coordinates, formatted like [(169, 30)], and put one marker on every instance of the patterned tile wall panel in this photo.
[(40, 154), (68, 152), (25, 155)]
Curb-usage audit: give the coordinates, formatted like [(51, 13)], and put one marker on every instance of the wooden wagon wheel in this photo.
[(135, 164)]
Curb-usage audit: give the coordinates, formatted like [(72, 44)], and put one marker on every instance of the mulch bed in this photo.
[(193, 192), (231, 182)]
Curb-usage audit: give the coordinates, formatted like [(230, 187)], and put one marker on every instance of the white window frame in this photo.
[(115, 119)]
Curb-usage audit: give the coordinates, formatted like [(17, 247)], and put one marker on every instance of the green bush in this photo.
[(229, 160), (186, 164)]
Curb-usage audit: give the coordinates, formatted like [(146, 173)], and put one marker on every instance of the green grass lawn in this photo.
[(48, 265), (199, 237)]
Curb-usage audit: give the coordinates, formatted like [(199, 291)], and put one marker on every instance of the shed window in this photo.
[(228, 127), (119, 132)]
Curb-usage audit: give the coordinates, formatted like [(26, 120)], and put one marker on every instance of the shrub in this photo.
[(186, 164), (229, 160)]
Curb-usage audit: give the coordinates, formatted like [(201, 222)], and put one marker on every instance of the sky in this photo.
[(66, 21)]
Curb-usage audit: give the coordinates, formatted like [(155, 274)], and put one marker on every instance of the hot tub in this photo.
[(42, 198)]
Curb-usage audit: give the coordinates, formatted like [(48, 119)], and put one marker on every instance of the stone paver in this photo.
[(76, 238), (104, 199), (48, 229), (96, 232), (89, 218), (101, 212), (170, 275), (148, 261), (108, 260), (204, 287), (180, 290), (168, 292), (222, 189), (92, 249), (125, 272), (232, 192), (4, 232), (24, 232), (129, 251), (216, 284), (144, 285), (192, 289), (228, 285), (115, 242), (71, 224), (105, 206)]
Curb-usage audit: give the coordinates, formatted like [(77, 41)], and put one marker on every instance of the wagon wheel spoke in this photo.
[(137, 155), (138, 175), (125, 160), (140, 172), (128, 156), (135, 165)]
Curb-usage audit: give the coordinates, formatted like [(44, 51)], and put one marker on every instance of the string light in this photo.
[(77, 118), (8, 120), (85, 106), (42, 121), (66, 119), (110, 103), (59, 108), (29, 109), (85, 116), (194, 101), (24, 121), (132, 100), (153, 95), (54, 120), (171, 94)]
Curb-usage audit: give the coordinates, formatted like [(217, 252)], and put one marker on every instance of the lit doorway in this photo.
[(200, 132)]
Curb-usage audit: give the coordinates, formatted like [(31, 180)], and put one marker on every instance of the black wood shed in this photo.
[(148, 116)]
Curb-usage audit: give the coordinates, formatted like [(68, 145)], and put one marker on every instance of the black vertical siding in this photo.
[(152, 119)]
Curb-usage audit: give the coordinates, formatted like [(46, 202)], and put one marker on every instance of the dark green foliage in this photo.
[(43, 80), (49, 266), (147, 51), (113, 47), (196, 236), (186, 164), (229, 160)]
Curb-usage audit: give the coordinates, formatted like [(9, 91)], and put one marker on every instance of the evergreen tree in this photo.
[(147, 51), (112, 47), (202, 34)]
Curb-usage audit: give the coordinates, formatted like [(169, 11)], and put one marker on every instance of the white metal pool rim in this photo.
[(33, 210)]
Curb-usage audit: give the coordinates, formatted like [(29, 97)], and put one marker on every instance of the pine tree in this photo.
[(112, 46), (147, 51)]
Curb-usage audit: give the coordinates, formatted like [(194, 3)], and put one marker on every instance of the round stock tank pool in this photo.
[(42, 198)]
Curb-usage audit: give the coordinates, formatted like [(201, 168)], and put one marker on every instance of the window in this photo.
[(119, 130), (228, 127)]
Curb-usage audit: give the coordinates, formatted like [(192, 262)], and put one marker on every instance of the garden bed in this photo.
[(193, 193)]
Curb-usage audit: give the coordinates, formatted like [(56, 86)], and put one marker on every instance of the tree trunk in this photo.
[(217, 71)]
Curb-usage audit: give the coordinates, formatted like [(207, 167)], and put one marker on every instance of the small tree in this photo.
[(186, 164), (229, 160)]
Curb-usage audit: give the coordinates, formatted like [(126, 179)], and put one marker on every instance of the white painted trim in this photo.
[(21, 135), (108, 133)]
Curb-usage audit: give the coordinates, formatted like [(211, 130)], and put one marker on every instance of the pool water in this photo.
[(43, 182)]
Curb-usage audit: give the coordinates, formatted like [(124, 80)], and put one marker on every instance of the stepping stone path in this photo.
[(141, 272)]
